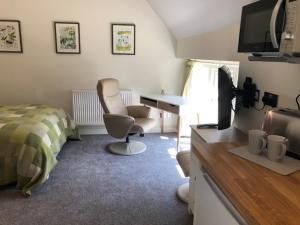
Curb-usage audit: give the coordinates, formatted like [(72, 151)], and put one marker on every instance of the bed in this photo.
[(31, 136)]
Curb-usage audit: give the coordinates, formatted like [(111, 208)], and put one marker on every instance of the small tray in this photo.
[(285, 167)]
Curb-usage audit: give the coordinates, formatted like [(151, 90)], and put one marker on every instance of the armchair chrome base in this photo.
[(183, 192), (123, 148)]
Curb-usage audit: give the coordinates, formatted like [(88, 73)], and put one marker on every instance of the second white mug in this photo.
[(277, 146)]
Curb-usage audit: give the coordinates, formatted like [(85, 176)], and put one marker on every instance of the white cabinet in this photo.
[(207, 202)]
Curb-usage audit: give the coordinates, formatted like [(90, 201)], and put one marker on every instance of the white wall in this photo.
[(279, 78), (39, 75)]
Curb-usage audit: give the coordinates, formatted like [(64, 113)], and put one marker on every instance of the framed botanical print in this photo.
[(67, 37), (123, 39), (10, 36)]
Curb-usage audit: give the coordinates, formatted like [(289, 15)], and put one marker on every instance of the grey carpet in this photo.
[(92, 186)]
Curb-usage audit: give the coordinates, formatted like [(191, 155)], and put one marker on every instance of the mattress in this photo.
[(31, 136)]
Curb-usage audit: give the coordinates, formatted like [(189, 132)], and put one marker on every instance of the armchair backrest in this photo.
[(109, 95)]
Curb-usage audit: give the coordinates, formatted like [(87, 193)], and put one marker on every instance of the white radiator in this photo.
[(87, 109)]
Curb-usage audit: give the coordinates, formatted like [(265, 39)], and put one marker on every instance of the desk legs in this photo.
[(162, 121), (178, 132), (162, 124)]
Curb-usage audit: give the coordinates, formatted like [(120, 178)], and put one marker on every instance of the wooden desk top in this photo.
[(261, 196)]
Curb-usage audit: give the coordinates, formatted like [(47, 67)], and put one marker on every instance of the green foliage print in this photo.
[(68, 37), (123, 44)]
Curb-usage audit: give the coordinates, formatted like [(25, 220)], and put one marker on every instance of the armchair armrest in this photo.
[(117, 125), (138, 111)]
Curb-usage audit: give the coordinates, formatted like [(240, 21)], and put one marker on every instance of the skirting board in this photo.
[(90, 130)]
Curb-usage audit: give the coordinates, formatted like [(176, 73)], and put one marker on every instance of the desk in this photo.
[(170, 103), (259, 195)]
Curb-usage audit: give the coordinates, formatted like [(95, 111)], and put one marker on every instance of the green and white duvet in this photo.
[(30, 138)]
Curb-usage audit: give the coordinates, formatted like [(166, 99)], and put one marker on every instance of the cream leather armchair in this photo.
[(121, 121)]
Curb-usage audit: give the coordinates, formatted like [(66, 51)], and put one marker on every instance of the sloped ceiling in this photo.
[(186, 18)]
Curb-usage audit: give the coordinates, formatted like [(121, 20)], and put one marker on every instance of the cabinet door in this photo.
[(211, 206)]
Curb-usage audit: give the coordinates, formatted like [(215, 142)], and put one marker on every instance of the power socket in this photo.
[(270, 99)]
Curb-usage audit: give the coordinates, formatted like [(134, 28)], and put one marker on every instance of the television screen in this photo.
[(225, 96)]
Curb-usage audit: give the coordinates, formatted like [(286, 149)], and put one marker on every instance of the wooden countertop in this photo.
[(260, 195)]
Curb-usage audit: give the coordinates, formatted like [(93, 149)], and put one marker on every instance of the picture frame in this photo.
[(123, 39), (10, 36), (67, 37)]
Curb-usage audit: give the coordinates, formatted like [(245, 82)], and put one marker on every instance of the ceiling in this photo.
[(186, 18)]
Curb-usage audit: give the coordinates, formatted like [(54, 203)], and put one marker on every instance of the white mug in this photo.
[(257, 141), (277, 146)]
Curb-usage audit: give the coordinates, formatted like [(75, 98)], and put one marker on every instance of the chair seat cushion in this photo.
[(183, 159), (142, 125)]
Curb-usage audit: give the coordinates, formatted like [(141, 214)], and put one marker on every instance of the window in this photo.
[(201, 91)]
